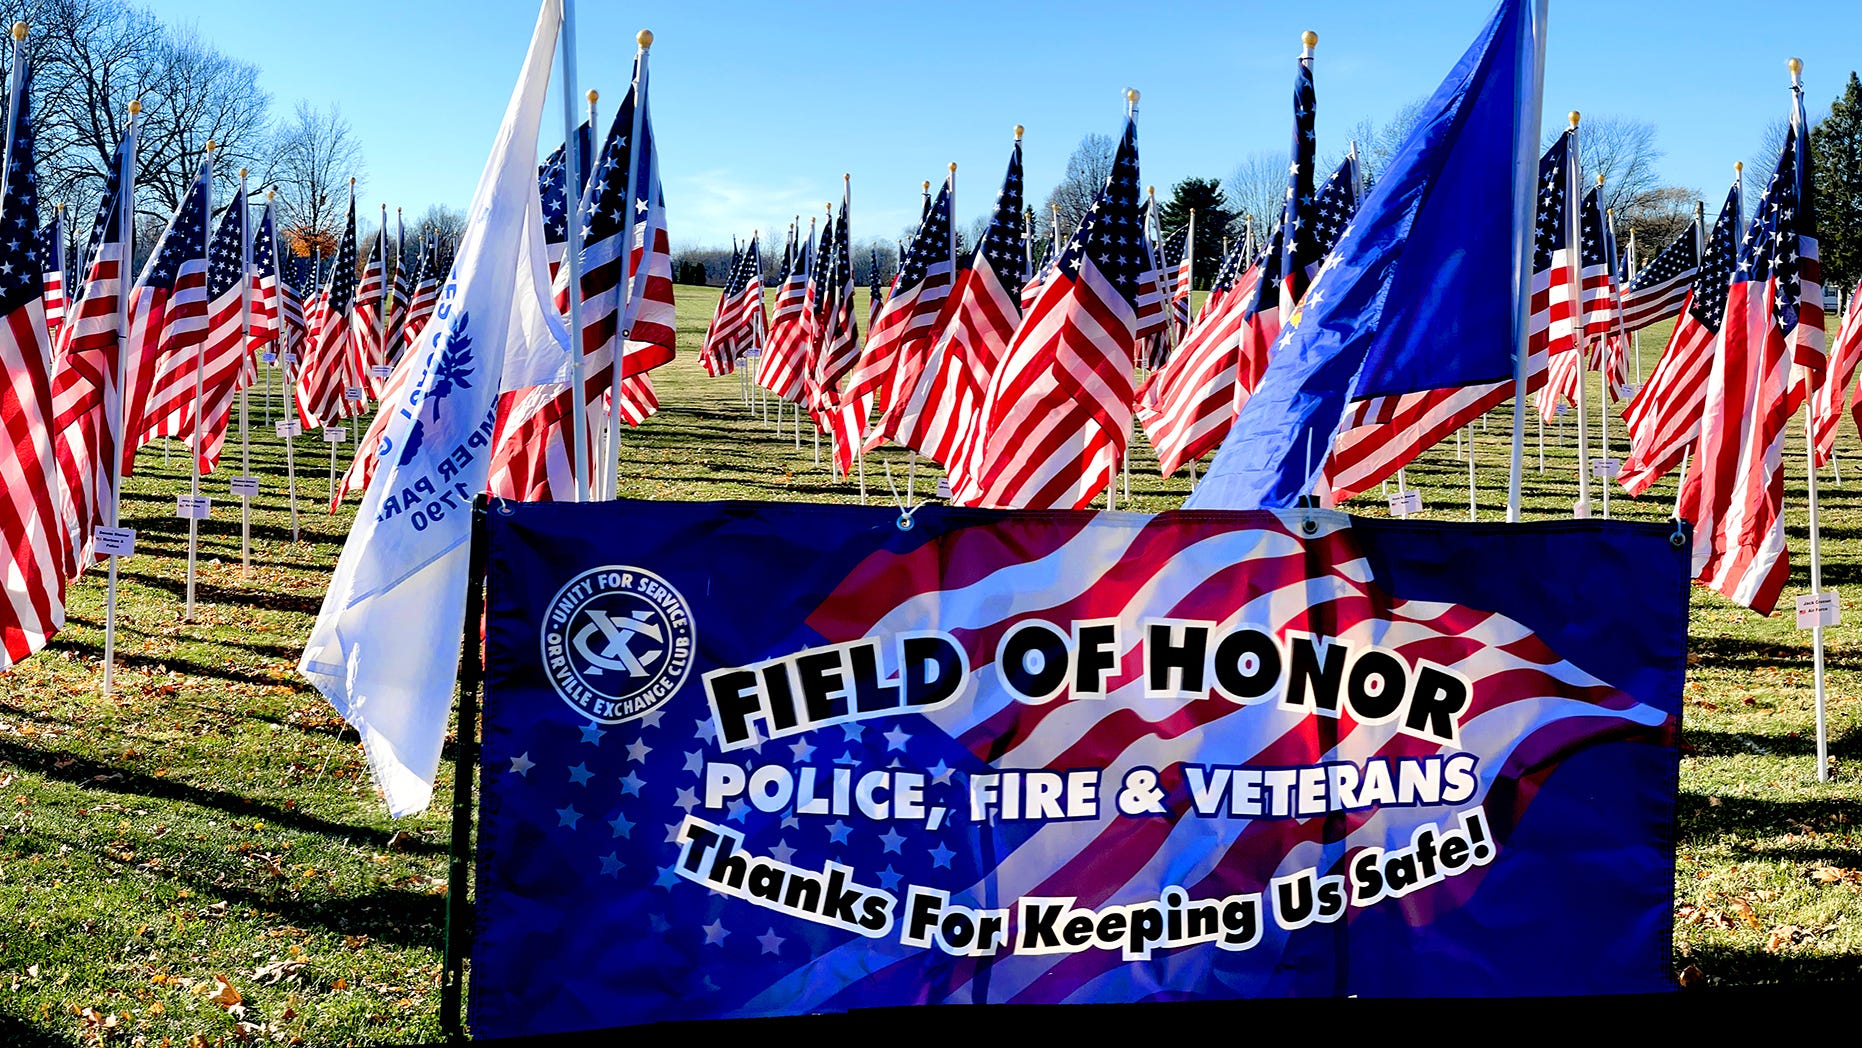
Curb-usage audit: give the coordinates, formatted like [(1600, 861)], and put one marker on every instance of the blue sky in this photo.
[(759, 107)]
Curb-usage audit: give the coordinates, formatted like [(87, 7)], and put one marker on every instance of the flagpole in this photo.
[(1608, 233), (611, 464), (245, 359), (200, 364), (1574, 266), (1629, 275), (581, 459), (1796, 66), (126, 215), (1525, 197)]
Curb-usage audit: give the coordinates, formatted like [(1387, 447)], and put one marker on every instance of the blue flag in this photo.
[(1418, 293)]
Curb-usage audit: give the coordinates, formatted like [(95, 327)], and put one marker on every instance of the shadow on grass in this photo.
[(302, 603), (168, 664), (86, 773), (1847, 743), (16, 1031), (1744, 823), (1753, 971)]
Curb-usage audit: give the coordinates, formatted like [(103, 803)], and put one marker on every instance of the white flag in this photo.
[(385, 650)]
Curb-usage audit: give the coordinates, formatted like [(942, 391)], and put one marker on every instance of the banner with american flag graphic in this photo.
[(986, 757)]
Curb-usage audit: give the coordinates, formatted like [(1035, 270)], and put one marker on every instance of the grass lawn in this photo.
[(202, 856)]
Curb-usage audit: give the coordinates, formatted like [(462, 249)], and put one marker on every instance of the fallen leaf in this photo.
[(224, 995), (1691, 977)]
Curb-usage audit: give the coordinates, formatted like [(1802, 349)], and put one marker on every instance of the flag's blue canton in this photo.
[(402, 285), (1716, 269), (605, 211), (1267, 291), (1297, 221), (186, 238), (223, 261), (1593, 235), (1109, 233), (52, 244), (1675, 259), (872, 268), (1175, 245), (1770, 246), (264, 258), (599, 790), (1548, 233), (1002, 241), (1232, 267), (555, 201), (833, 275), (342, 275), (1338, 201), (931, 244), (21, 279)]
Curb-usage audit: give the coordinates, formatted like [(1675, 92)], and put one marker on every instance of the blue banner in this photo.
[(748, 760)]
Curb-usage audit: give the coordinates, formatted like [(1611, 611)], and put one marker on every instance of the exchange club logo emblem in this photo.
[(617, 643)]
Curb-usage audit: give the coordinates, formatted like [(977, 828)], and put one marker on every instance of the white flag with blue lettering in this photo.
[(385, 650)]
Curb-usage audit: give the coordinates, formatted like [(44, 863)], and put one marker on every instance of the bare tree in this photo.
[(1763, 163), (1087, 171), (446, 223), (1257, 187), (195, 95), (314, 156), (1657, 218), (1622, 150), (90, 59)]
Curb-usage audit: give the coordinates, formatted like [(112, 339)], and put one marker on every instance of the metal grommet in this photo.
[(905, 522), (1309, 526), (1677, 540), (504, 507)]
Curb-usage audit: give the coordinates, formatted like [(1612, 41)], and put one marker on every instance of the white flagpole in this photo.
[(200, 365), (1574, 264), (245, 356), (1471, 503), (611, 464), (1531, 73), (1629, 274), (126, 215), (1810, 461)]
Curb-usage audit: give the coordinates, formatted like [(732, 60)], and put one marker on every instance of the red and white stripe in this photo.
[(1664, 417), (1057, 416), (937, 414), (167, 340), (1190, 404), (324, 370), (31, 557), (87, 407), (784, 363)]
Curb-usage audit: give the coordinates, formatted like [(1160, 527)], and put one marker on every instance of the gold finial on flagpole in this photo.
[(19, 31), (1018, 132), (1150, 191), (846, 176), (210, 145), (268, 194), (593, 96), (135, 106), (953, 167), (1738, 166), (927, 185), (1131, 95), (1310, 39), (644, 38), (352, 181), (1599, 180), (242, 172), (1795, 65), (1574, 118)]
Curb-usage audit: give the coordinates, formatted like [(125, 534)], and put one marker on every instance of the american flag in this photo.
[(554, 192), (87, 397), (1597, 300), (1300, 256), (33, 608), (1031, 289), (837, 344), (876, 289), (168, 325), (367, 346), (223, 362), (426, 293), (1734, 492), (784, 365), (266, 334), (52, 268), (400, 292), (936, 415), (1828, 407), (1153, 292), (1178, 247), (735, 324), (531, 459), (1188, 406), (1657, 292), (1380, 435), (324, 373), (899, 339), (1057, 415), (1664, 417)]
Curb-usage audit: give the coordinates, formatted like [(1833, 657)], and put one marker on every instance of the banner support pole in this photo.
[(1525, 194), (465, 762)]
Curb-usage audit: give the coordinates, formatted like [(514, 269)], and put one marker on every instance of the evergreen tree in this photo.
[(1213, 214), (1836, 153)]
